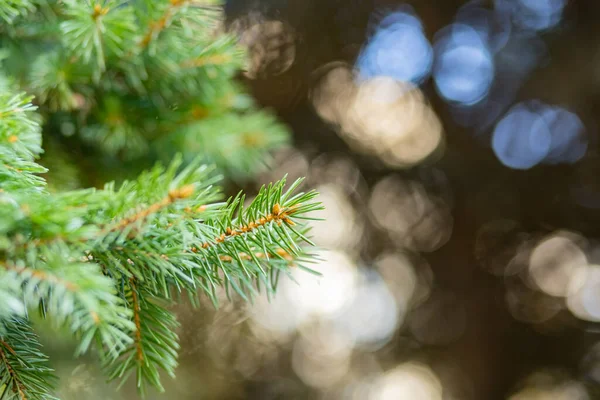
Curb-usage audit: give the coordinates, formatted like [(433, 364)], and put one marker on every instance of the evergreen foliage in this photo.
[(126, 84), (136, 81)]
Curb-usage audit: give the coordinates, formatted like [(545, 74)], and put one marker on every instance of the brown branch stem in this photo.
[(157, 26), (137, 321), (41, 275), (174, 195), (215, 59), (278, 215)]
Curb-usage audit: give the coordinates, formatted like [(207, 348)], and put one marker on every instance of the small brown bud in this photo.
[(182, 193)]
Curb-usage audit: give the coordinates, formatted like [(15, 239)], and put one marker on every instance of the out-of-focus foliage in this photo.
[(136, 81)]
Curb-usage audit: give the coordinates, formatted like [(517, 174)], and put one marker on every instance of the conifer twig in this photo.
[(172, 197), (157, 26), (18, 386), (23, 368), (215, 59), (41, 275), (249, 257), (136, 320), (277, 214)]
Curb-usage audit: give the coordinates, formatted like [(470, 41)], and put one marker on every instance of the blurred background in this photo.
[(455, 147)]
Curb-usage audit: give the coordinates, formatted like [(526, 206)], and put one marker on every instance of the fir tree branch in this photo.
[(18, 130), (41, 276), (174, 195), (258, 255), (135, 306), (236, 143), (277, 215), (96, 202), (18, 174), (155, 27), (213, 59), (76, 294), (24, 370), (17, 385), (56, 78), (267, 226), (155, 343)]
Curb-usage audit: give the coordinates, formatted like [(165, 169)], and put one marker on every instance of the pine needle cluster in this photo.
[(127, 84)]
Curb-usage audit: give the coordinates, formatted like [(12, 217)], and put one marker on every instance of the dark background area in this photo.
[(496, 350)]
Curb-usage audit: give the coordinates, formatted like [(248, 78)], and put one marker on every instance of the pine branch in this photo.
[(18, 174), (55, 78), (156, 27), (237, 144), (155, 343), (19, 130), (20, 142), (258, 255), (174, 195), (109, 216), (76, 294), (24, 371), (17, 386), (157, 260), (184, 64), (269, 225), (135, 306), (159, 232)]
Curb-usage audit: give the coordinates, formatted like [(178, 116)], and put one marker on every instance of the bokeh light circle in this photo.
[(533, 132), (398, 49), (464, 67)]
